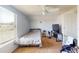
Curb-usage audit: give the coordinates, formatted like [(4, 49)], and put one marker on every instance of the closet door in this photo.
[(70, 24)]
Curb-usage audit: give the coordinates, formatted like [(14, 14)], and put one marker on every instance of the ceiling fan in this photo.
[(44, 10), (48, 10)]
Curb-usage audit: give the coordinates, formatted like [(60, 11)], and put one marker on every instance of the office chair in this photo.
[(57, 32)]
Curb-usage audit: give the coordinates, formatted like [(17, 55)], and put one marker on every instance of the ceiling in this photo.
[(39, 9)]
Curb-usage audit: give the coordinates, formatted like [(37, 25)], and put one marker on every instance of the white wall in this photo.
[(69, 23), (22, 28), (78, 24), (44, 22), (22, 25)]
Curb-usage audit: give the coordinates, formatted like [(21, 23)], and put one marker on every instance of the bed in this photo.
[(33, 38)]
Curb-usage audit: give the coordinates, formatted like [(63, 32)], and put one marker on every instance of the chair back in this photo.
[(56, 28)]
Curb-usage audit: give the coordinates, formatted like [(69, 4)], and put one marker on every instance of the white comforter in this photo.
[(33, 38)]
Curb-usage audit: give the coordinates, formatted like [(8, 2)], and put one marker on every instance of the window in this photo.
[(7, 25)]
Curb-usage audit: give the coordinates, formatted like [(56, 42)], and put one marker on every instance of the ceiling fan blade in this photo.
[(44, 10)]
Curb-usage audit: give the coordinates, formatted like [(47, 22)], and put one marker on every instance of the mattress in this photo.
[(32, 38)]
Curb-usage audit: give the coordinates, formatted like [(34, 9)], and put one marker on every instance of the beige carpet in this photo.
[(49, 46)]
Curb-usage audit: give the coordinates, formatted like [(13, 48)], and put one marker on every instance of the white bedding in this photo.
[(32, 38)]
